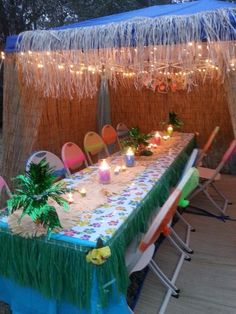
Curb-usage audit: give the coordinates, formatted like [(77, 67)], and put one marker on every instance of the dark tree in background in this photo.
[(17, 16)]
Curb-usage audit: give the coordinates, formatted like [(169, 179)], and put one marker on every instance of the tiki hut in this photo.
[(179, 57)]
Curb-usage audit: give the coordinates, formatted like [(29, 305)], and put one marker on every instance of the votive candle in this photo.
[(170, 130), (104, 172), (157, 138), (83, 192), (129, 157)]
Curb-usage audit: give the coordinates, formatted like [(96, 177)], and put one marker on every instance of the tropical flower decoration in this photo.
[(100, 254), (35, 188)]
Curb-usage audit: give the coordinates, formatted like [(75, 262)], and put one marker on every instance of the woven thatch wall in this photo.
[(64, 121), (33, 123), (201, 110), (21, 115)]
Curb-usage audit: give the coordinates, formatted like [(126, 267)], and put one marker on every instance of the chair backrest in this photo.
[(191, 161), (229, 152), (161, 220), (3, 185), (208, 144), (109, 136), (73, 157), (122, 130), (55, 162), (93, 144), (187, 184)]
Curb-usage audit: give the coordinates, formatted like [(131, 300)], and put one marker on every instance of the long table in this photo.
[(51, 275)]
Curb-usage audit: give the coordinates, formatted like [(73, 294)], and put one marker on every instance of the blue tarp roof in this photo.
[(187, 8)]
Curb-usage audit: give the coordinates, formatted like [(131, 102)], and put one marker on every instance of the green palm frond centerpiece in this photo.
[(138, 141), (35, 188)]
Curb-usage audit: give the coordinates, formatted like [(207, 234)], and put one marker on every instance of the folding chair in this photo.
[(187, 184), (210, 176), (55, 163), (146, 248), (94, 145), (110, 137), (206, 147), (4, 186), (122, 130), (73, 157), (191, 162)]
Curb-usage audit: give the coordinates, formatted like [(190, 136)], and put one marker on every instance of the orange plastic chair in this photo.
[(4, 186), (94, 145), (73, 157), (206, 147), (109, 136), (210, 176)]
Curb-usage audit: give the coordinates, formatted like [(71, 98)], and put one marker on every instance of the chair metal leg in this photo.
[(222, 210), (186, 256), (189, 226), (221, 194), (164, 279), (181, 242)]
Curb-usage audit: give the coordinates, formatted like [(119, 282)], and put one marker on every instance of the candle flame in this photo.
[(130, 152), (104, 165)]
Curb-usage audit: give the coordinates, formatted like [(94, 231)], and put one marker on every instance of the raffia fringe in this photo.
[(62, 63)]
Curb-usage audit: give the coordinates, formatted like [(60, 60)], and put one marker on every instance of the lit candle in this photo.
[(83, 192), (170, 130), (165, 137), (123, 168), (157, 138), (104, 172), (70, 198), (117, 170), (129, 157)]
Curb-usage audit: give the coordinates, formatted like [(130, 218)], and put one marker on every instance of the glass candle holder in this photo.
[(104, 173), (170, 130), (129, 158), (157, 138), (82, 192)]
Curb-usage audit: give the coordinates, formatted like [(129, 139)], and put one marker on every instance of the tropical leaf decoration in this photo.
[(136, 138), (33, 192), (174, 120)]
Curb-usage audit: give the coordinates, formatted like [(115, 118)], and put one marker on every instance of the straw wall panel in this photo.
[(21, 115), (64, 121), (201, 110)]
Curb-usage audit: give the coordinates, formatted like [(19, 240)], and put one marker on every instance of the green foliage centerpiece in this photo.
[(32, 195), (174, 120), (138, 141)]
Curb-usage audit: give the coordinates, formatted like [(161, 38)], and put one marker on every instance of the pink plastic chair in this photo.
[(55, 162), (73, 157), (146, 249), (4, 186), (109, 136), (210, 176), (94, 145), (206, 147)]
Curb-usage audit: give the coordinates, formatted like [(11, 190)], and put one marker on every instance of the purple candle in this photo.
[(104, 173)]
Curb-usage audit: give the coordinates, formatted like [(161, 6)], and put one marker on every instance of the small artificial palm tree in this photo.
[(33, 192)]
